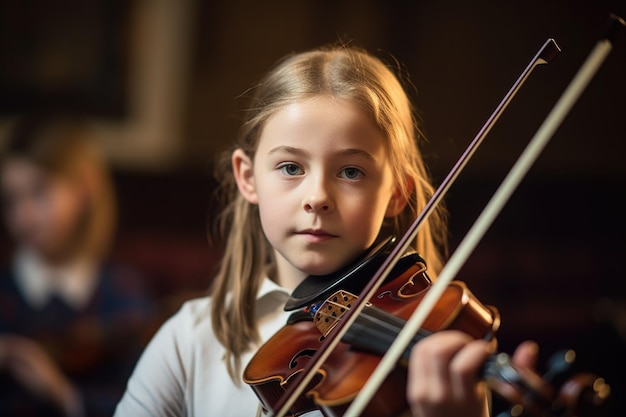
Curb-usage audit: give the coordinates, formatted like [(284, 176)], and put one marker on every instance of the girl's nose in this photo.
[(318, 201), (313, 206)]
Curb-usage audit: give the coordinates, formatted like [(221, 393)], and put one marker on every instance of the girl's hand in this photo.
[(31, 366), (443, 375)]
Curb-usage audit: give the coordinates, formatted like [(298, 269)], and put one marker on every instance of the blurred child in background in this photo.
[(72, 323)]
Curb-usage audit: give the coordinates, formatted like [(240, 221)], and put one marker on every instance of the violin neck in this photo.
[(375, 330)]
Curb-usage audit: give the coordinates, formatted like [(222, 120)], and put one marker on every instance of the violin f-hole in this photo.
[(304, 353)]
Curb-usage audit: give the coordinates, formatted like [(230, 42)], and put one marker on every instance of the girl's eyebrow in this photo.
[(358, 152), (301, 152), (289, 150)]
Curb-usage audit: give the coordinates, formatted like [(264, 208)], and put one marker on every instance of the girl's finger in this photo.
[(429, 375), (465, 367), (526, 354)]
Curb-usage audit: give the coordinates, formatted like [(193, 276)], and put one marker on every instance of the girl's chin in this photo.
[(315, 264), (325, 268), (335, 265)]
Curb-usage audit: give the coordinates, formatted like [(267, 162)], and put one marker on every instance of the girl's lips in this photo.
[(316, 236)]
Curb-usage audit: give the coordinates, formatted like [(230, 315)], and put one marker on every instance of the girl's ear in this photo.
[(398, 201), (244, 175)]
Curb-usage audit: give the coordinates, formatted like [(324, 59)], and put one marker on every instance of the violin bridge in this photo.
[(329, 313)]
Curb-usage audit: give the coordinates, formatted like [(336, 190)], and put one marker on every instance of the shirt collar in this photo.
[(75, 282), (268, 287)]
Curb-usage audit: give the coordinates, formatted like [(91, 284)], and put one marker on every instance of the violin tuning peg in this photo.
[(558, 364)]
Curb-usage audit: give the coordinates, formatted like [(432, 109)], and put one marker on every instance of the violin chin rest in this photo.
[(316, 288)]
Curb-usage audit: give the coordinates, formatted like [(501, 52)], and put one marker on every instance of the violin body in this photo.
[(339, 380)]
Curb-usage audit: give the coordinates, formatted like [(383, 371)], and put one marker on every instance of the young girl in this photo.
[(325, 166), (71, 321)]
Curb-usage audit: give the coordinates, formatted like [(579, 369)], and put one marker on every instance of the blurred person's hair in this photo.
[(64, 147)]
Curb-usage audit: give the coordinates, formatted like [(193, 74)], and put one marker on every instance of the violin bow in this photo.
[(296, 387), (532, 151)]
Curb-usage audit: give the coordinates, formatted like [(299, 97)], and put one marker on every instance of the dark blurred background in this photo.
[(160, 81)]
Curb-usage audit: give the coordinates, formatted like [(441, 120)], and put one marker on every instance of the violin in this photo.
[(341, 377), (353, 361), (345, 347)]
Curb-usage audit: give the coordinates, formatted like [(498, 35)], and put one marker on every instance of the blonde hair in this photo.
[(341, 71), (62, 146)]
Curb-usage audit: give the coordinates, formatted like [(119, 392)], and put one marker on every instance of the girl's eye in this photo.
[(290, 169), (351, 173)]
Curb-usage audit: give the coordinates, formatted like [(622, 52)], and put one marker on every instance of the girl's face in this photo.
[(323, 184), (41, 211)]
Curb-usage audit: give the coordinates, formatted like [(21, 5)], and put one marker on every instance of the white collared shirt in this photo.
[(74, 282)]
